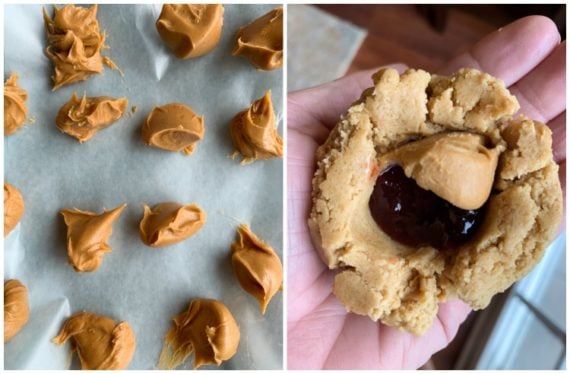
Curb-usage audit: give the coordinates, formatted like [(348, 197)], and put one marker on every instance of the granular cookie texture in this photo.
[(401, 285)]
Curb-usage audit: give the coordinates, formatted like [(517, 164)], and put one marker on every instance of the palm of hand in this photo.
[(321, 334)]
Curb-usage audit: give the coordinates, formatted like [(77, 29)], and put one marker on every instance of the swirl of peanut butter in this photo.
[(261, 42), (173, 127), (208, 329), (256, 266), (100, 342), (170, 223), (190, 30), (87, 235), (456, 166), (13, 208), (74, 44), (15, 110), (82, 118), (254, 132), (16, 308)]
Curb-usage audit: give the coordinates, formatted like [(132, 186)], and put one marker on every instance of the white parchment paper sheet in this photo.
[(141, 285)]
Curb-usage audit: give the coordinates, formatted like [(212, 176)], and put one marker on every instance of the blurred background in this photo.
[(525, 327)]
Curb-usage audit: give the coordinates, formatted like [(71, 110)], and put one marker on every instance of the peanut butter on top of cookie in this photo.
[(261, 42), (456, 166), (15, 109), (190, 30), (208, 329), (100, 342)]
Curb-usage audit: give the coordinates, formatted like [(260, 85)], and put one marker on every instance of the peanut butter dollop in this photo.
[(82, 118), (13, 208), (261, 42), (208, 329), (254, 132), (100, 342), (16, 308), (190, 30), (15, 110), (87, 235), (173, 127), (256, 266), (170, 223), (74, 44), (457, 167)]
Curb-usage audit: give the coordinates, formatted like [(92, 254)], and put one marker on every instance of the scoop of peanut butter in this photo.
[(15, 110), (74, 43), (256, 266), (170, 223), (87, 235), (190, 30), (82, 118), (16, 308), (13, 208), (254, 132), (173, 127), (261, 42), (457, 167), (100, 342), (208, 329)]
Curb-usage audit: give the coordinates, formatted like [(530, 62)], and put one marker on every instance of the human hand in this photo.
[(528, 57)]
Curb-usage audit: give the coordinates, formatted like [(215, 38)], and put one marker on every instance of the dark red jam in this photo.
[(417, 217)]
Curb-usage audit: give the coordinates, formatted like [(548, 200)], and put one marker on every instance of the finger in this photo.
[(327, 102), (558, 127), (542, 92), (510, 52)]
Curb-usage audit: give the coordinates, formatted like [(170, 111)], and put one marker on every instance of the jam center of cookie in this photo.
[(417, 217)]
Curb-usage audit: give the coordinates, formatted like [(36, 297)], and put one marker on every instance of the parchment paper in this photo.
[(139, 284)]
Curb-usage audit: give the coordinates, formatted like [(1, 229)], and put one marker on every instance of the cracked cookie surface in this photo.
[(402, 285)]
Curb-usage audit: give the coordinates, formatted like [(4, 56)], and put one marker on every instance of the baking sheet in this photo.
[(139, 284)]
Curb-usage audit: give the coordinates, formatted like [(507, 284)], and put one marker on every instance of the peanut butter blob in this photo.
[(256, 266), (261, 42), (15, 109), (82, 118), (100, 342), (74, 44), (173, 127), (170, 223), (87, 236), (13, 208), (16, 308), (455, 166), (190, 30), (208, 329), (254, 132)]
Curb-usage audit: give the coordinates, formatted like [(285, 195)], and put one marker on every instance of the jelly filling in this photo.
[(417, 217)]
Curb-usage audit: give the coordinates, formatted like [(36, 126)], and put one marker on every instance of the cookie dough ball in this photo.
[(256, 266), (428, 190), (16, 308), (170, 223), (87, 236), (261, 42), (173, 127), (254, 132), (100, 342), (190, 30), (15, 110), (208, 329), (13, 208), (74, 44), (82, 118)]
